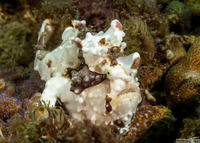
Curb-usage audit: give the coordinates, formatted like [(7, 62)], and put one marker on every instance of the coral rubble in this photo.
[(58, 127)]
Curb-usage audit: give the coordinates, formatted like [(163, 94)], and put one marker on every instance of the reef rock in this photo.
[(90, 75), (148, 123), (182, 80)]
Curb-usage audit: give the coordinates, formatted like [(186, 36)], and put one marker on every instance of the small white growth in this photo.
[(169, 54), (121, 87), (46, 31), (138, 124), (149, 96)]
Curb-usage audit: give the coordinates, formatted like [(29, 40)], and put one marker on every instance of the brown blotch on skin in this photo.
[(119, 123), (102, 41), (114, 53), (135, 63), (49, 63), (100, 65), (84, 79), (108, 106), (78, 25), (78, 43), (82, 30), (118, 25)]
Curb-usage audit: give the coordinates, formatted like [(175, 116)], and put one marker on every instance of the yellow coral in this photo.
[(41, 113)]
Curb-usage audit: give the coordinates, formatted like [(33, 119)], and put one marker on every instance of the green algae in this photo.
[(191, 128), (180, 9), (15, 44), (194, 6)]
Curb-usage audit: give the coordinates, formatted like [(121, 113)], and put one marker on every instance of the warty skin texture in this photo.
[(115, 93)]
